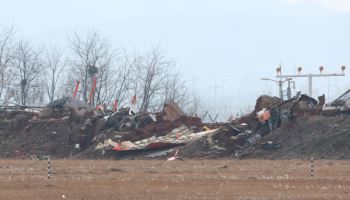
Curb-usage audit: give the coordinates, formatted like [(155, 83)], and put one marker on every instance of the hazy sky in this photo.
[(222, 46)]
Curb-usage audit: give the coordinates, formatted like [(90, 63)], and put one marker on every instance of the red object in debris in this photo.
[(99, 107), (115, 106), (266, 116), (92, 90), (133, 99), (76, 89), (174, 157), (118, 147)]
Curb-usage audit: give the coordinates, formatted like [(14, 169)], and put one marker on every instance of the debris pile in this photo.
[(61, 130), (69, 128), (125, 131), (340, 105), (321, 137)]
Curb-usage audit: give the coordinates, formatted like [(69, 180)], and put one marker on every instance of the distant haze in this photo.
[(223, 47)]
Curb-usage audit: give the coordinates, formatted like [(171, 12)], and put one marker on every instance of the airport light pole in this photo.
[(309, 76), (280, 84), (289, 92)]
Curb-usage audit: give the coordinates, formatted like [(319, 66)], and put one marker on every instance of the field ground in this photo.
[(192, 179)]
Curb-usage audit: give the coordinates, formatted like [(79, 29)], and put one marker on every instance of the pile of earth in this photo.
[(23, 134), (65, 133), (310, 136)]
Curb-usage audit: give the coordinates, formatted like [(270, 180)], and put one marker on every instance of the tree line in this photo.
[(31, 75)]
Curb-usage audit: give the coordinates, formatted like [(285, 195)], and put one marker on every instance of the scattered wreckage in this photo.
[(340, 105), (237, 137), (70, 128)]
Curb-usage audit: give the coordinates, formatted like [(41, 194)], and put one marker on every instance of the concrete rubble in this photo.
[(68, 128)]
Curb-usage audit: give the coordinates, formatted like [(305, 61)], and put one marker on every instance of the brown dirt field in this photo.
[(193, 179)]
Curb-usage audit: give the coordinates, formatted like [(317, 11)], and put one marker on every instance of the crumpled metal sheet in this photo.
[(177, 136)]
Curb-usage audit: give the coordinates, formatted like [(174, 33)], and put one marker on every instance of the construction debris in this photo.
[(338, 106), (70, 128), (343, 100)]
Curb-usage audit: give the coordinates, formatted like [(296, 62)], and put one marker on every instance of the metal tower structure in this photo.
[(280, 84), (309, 76)]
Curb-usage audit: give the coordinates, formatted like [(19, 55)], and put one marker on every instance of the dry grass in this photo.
[(201, 179)]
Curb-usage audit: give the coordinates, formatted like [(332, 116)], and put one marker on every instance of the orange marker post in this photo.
[(115, 106), (76, 89), (92, 90)]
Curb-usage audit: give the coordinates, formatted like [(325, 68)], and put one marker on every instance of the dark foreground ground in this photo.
[(200, 179)]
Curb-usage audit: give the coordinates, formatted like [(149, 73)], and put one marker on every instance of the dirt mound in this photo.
[(316, 136), (23, 134)]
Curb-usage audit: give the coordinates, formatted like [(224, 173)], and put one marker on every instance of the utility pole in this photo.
[(309, 76)]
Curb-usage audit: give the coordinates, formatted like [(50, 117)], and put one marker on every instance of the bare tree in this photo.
[(68, 83), (27, 75), (106, 73), (27, 67), (175, 88), (193, 106), (6, 58), (92, 55), (115, 84), (156, 80), (152, 71), (52, 68)]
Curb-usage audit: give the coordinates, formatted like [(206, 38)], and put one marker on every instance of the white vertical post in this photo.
[(280, 83), (289, 93), (310, 85)]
